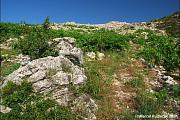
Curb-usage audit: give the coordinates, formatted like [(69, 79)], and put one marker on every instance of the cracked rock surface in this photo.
[(52, 77)]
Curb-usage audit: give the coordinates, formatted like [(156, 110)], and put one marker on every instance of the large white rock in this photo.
[(37, 71)]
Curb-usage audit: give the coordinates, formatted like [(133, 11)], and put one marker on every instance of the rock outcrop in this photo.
[(53, 76), (66, 47), (119, 27)]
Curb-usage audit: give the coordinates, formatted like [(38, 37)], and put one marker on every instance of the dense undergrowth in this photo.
[(158, 49), (26, 105)]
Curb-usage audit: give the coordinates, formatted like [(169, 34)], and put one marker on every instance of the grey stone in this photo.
[(100, 55), (60, 78), (86, 106), (79, 79), (39, 75), (91, 56), (66, 47), (42, 85), (62, 96), (4, 109)]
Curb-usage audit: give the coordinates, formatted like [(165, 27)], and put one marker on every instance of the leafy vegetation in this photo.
[(35, 44), (9, 69), (27, 106), (149, 103), (160, 50), (99, 40), (35, 41), (12, 30), (7, 53)]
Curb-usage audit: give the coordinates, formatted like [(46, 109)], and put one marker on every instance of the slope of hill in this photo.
[(171, 24), (69, 71)]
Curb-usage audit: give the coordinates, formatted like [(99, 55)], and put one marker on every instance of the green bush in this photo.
[(36, 44), (26, 105), (99, 40), (36, 38), (175, 91), (160, 50), (103, 40), (149, 103), (11, 30)]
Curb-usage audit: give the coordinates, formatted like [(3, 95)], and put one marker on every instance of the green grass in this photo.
[(136, 83), (94, 78), (51, 72), (27, 106), (9, 69), (127, 115), (149, 104), (8, 53)]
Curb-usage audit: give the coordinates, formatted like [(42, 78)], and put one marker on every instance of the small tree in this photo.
[(46, 23)]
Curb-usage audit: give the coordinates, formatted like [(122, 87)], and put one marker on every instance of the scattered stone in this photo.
[(4, 109), (100, 56), (91, 56), (167, 80), (8, 43), (170, 82)]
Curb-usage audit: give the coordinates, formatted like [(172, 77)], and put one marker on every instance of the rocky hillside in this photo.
[(171, 24), (69, 71)]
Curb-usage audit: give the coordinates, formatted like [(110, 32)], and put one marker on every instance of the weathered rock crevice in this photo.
[(52, 76)]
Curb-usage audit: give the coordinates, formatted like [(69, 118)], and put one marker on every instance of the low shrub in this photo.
[(99, 40), (26, 105), (36, 44), (12, 30), (160, 50), (149, 103), (103, 40)]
